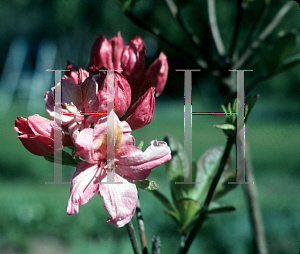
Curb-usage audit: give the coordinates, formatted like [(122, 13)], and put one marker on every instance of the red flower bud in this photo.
[(117, 45), (101, 55), (122, 95), (157, 73), (77, 75), (133, 58), (37, 134), (142, 111)]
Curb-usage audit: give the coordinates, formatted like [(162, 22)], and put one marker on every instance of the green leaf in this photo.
[(128, 4), (207, 167), (67, 159), (289, 63), (175, 216), (141, 144), (229, 108), (215, 207), (172, 211), (163, 200), (225, 126), (234, 106), (224, 109), (148, 185), (176, 168), (249, 104), (187, 209), (282, 49), (223, 187)]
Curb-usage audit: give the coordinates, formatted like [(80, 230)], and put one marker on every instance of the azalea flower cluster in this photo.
[(84, 124)]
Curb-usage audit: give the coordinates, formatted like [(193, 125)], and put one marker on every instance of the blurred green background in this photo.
[(33, 215)]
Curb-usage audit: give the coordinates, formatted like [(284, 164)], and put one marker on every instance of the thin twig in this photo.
[(212, 16), (257, 24), (237, 27), (132, 237), (265, 33), (204, 210), (155, 31), (250, 192), (156, 244), (185, 27), (182, 241), (141, 227)]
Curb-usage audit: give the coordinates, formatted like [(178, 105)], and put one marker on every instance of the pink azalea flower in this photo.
[(89, 99), (131, 163), (37, 134)]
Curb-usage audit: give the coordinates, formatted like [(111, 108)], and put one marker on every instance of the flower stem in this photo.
[(254, 210), (141, 227), (182, 241), (204, 210), (132, 237), (155, 244)]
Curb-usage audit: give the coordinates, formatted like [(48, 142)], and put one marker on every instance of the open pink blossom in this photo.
[(37, 134), (84, 104), (130, 163)]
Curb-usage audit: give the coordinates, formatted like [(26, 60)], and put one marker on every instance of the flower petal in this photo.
[(119, 200), (84, 185), (41, 125), (84, 145), (22, 126), (136, 164), (89, 95), (38, 145), (70, 92)]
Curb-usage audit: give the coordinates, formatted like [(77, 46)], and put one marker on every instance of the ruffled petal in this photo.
[(84, 145), (136, 164), (119, 200), (84, 185)]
